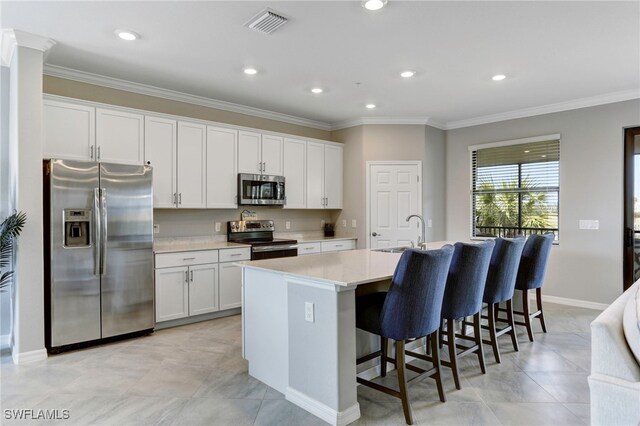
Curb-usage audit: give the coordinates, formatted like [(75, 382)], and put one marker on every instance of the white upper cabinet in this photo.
[(333, 179), (119, 136), (69, 131), (249, 155), (192, 165), (294, 172), (272, 147), (324, 175), (222, 170), (259, 153), (160, 152)]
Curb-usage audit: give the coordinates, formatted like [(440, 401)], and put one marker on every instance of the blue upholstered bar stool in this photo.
[(410, 310), (533, 264), (463, 298), (501, 281)]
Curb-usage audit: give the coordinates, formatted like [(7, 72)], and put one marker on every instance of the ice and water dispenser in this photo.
[(77, 227)]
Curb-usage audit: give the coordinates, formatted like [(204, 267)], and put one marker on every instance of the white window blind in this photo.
[(515, 189)]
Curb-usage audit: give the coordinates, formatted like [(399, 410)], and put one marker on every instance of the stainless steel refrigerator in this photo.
[(98, 252)]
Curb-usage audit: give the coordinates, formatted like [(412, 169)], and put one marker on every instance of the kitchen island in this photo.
[(299, 333)]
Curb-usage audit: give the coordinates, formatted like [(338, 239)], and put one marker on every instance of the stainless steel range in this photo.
[(259, 234)]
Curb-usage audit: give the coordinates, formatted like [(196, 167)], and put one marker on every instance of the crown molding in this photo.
[(608, 98), (144, 89), (10, 39), (421, 121)]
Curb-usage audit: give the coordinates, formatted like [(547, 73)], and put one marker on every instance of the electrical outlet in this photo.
[(287, 225), (322, 223), (308, 312), (156, 228), (429, 223), (353, 223), (217, 226), (344, 223), (589, 224)]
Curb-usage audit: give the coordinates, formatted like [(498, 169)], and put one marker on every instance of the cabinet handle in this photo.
[(188, 258), (186, 276), (180, 198), (98, 153), (236, 254), (91, 152), (308, 248), (338, 245), (191, 275)]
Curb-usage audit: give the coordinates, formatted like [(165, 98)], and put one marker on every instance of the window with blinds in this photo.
[(515, 189)]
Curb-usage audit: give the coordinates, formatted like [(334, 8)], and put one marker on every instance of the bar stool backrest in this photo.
[(533, 262), (503, 269)]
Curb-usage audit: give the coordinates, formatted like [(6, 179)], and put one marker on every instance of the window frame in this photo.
[(473, 148)]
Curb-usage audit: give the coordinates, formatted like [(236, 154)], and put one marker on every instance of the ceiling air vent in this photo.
[(266, 21)]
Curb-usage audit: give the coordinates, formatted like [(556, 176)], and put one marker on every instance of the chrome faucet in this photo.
[(422, 242)]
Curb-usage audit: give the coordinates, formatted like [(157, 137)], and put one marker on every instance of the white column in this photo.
[(23, 53)]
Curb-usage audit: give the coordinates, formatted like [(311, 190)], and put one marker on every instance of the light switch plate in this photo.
[(589, 224), (429, 223), (308, 311), (156, 228), (322, 223), (353, 223), (287, 224), (217, 226), (344, 223)]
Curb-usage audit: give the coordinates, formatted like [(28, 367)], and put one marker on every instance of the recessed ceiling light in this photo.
[(370, 106), (407, 74), (250, 71), (374, 4), (316, 90), (498, 77), (127, 35)]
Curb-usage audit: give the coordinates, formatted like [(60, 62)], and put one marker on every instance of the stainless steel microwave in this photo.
[(264, 190)]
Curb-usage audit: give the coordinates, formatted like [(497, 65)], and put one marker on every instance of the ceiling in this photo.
[(551, 52)]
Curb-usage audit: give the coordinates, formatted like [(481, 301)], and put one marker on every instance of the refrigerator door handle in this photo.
[(97, 240), (103, 238)]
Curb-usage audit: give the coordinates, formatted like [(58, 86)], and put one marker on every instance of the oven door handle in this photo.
[(276, 247)]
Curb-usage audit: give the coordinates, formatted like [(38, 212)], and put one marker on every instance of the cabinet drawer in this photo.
[(338, 245), (235, 254), (186, 258), (309, 248)]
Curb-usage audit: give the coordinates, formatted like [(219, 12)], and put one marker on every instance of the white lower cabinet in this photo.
[(194, 283), (309, 248), (172, 293), (338, 245)]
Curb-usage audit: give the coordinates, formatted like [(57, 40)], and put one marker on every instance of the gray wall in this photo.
[(587, 264), (7, 184)]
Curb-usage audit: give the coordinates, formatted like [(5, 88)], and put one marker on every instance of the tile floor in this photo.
[(194, 375)]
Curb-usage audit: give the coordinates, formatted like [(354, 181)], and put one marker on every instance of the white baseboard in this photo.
[(575, 302), (5, 340), (318, 409), (28, 357)]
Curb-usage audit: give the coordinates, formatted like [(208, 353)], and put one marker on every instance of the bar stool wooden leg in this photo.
[(478, 336), (492, 332), (402, 382), (539, 303), (453, 353), (435, 359), (511, 323), (527, 317), (383, 355), (427, 345)]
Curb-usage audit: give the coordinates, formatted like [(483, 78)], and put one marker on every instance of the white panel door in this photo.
[(333, 180), (230, 286), (192, 165), (272, 147), (172, 293), (222, 168), (394, 190), (249, 156), (160, 151), (315, 175), (295, 151), (203, 289), (68, 131), (119, 136)]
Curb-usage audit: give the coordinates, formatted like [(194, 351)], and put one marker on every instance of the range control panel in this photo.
[(235, 226)]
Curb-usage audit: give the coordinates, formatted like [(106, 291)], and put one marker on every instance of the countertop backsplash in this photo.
[(200, 223)]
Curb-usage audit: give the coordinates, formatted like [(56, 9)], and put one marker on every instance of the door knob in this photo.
[(375, 234)]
